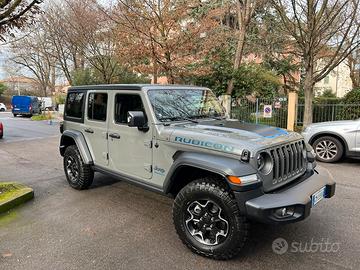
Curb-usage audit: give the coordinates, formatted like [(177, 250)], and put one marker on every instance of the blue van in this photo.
[(25, 105)]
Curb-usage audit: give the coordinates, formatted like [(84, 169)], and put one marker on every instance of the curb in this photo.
[(19, 195)]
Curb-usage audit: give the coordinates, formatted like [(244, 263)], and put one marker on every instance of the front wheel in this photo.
[(328, 149), (207, 219), (79, 175)]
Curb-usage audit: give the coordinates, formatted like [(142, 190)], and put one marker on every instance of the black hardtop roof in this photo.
[(137, 87)]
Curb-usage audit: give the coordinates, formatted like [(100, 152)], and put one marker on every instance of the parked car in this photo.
[(175, 140), (46, 103), (25, 105), (334, 140), (1, 130), (2, 107)]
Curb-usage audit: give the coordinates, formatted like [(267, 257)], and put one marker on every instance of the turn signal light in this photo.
[(244, 180), (234, 179)]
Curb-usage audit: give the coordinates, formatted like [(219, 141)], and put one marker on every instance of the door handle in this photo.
[(89, 130), (114, 135)]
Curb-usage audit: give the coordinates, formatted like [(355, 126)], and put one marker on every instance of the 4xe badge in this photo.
[(159, 171)]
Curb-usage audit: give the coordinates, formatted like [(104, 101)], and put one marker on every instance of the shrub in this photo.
[(42, 117)]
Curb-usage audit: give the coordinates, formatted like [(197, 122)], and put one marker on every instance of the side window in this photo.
[(125, 103), (74, 105), (97, 106)]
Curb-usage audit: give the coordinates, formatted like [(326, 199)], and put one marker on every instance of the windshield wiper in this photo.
[(180, 118), (211, 117)]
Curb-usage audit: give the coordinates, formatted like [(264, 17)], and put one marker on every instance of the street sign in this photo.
[(267, 111), (277, 105)]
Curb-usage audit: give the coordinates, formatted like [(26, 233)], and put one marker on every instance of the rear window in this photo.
[(97, 106), (74, 105)]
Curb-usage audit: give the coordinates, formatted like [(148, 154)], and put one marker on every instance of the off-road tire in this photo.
[(85, 174), (328, 139), (210, 188)]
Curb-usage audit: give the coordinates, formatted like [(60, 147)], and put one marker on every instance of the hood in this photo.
[(230, 136), (335, 123)]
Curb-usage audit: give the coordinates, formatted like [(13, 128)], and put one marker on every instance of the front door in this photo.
[(95, 127), (130, 150)]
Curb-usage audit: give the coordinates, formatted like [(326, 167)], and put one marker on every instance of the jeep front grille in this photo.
[(288, 161)]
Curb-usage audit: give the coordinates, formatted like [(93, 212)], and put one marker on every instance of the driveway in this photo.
[(115, 225)]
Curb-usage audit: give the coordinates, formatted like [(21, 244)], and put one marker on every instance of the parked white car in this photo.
[(2, 107), (334, 140)]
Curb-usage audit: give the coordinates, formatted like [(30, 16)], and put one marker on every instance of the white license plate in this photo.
[(318, 196)]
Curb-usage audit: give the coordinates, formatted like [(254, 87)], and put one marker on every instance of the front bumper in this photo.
[(264, 207)]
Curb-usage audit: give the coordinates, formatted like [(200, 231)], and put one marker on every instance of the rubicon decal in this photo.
[(207, 144)]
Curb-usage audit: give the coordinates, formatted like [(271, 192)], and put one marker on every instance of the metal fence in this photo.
[(254, 111), (329, 112), (271, 112)]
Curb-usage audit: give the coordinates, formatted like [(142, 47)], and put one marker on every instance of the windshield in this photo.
[(172, 105)]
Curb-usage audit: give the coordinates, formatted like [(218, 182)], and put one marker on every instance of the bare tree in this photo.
[(95, 37), (61, 49), (33, 53), (14, 14), (323, 33), (245, 12)]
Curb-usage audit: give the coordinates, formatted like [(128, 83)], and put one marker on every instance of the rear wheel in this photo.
[(15, 114), (78, 174), (328, 149), (2, 110), (208, 221)]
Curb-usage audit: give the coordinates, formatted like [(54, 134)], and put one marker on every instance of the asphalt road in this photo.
[(115, 225), (21, 128)]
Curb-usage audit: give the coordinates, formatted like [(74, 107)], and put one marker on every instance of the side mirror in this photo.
[(137, 119)]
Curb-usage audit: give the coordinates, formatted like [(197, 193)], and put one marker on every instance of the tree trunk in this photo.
[(170, 76), (53, 79), (155, 72), (309, 96), (354, 75), (168, 69), (238, 56), (44, 89)]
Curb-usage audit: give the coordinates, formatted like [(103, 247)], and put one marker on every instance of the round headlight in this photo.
[(264, 163), (260, 162)]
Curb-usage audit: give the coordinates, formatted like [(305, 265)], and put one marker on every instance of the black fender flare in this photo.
[(80, 142), (223, 166)]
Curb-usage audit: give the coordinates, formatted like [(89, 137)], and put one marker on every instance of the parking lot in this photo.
[(115, 225), (21, 128)]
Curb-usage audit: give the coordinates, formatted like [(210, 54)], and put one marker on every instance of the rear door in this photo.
[(95, 126), (21, 104), (130, 150)]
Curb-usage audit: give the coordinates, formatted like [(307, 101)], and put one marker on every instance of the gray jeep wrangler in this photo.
[(175, 140)]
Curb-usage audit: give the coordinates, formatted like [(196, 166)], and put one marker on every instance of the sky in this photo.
[(3, 57)]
